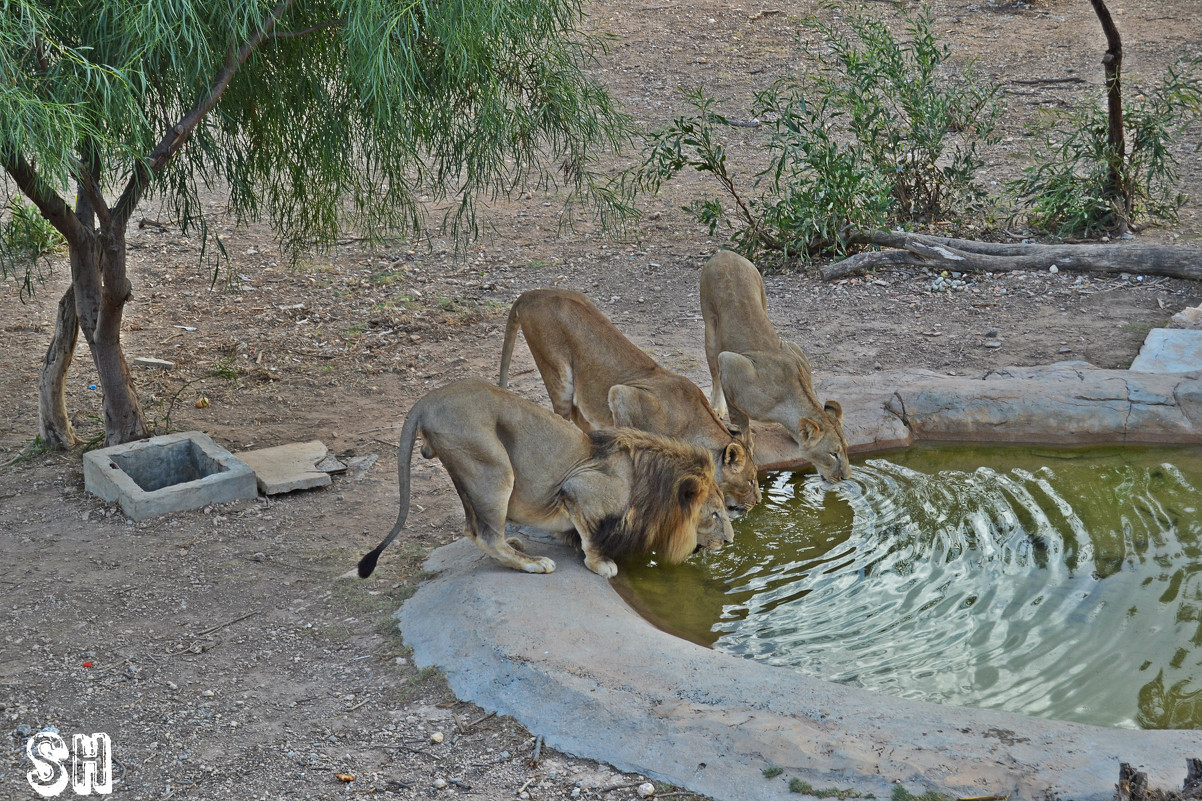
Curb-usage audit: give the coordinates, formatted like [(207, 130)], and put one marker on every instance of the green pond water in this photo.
[(1061, 583)]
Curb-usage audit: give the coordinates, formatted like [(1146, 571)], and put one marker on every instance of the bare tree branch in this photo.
[(967, 256), (178, 134), (1115, 141), (49, 202)]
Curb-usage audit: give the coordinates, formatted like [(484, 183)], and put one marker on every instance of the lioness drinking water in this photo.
[(759, 375), (596, 377)]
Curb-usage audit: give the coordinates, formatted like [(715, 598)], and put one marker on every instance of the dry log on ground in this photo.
[(967, 256)]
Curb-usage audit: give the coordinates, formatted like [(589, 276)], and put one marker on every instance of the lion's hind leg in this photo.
[(486, 511)]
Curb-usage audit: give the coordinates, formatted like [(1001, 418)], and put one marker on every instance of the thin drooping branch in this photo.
[(333, 23), (178, 134), (967, 256)]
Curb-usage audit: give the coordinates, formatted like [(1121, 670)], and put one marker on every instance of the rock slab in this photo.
[(1169, 350), (286, 468)]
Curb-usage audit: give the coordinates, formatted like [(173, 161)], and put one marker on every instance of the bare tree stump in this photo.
[(1193, 778), (1133, 785)]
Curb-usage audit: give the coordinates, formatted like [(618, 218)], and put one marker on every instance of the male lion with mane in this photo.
[(617, 492), (763, 376), (597, 378)]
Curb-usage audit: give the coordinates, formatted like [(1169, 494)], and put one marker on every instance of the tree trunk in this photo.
[(1118, 193), (54, 424), (967, 256), (104, 302), (94, 304)]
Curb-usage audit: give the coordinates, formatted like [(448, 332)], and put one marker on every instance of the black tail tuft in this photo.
[(368, 563)]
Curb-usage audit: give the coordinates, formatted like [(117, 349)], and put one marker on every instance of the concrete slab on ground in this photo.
[(169, 473), (285, 468), (1169, 350)]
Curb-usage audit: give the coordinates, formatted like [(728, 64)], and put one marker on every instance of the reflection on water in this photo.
[(1063, 583)]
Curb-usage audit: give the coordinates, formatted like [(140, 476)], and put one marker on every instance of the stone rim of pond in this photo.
[(565, 656)]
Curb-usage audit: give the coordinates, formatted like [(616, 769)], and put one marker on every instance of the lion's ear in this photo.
[(734, 456), (689, 491), (833, 409), (810, 430)]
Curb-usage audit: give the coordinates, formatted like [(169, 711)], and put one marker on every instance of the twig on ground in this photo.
[(220, 626), (538, 749), (616, 787)]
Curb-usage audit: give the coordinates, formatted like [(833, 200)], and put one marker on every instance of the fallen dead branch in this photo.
[(967, 256)]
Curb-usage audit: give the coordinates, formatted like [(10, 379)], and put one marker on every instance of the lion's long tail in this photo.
[(404, 454), (511, 337)]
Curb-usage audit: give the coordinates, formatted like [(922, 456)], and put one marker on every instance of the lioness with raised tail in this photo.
[(759, 375), (597, 378), (617, 492)]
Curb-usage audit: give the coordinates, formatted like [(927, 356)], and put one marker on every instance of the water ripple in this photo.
[(1043, 582)]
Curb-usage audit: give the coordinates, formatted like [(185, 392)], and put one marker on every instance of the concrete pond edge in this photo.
[(565, 656)]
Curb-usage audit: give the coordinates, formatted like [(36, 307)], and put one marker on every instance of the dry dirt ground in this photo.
[(224, 650)]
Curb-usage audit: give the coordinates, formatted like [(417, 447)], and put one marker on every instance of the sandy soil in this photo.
[(226, 652)]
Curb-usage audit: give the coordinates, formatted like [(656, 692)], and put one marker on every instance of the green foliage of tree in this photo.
[(1068, 191), (316, 116)]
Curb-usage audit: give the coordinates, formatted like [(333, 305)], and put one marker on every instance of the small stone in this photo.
[(993, 343), (207, 693), (440, 783), (646, 790), (991, 333), (436, 737), (1053, 269)]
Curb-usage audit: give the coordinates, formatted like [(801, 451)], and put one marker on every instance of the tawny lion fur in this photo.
[(761, 375), (618, 492), (598, 378)]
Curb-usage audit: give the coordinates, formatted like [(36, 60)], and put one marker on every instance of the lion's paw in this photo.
[(605, 568), (541, 564)]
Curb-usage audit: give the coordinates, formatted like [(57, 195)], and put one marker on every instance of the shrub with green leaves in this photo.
[(877, 134), (1067, 190), (25, 237), (919, 126), (25, 232)]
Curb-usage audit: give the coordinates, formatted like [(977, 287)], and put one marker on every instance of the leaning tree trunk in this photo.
[(123, 417), (54, 424)]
